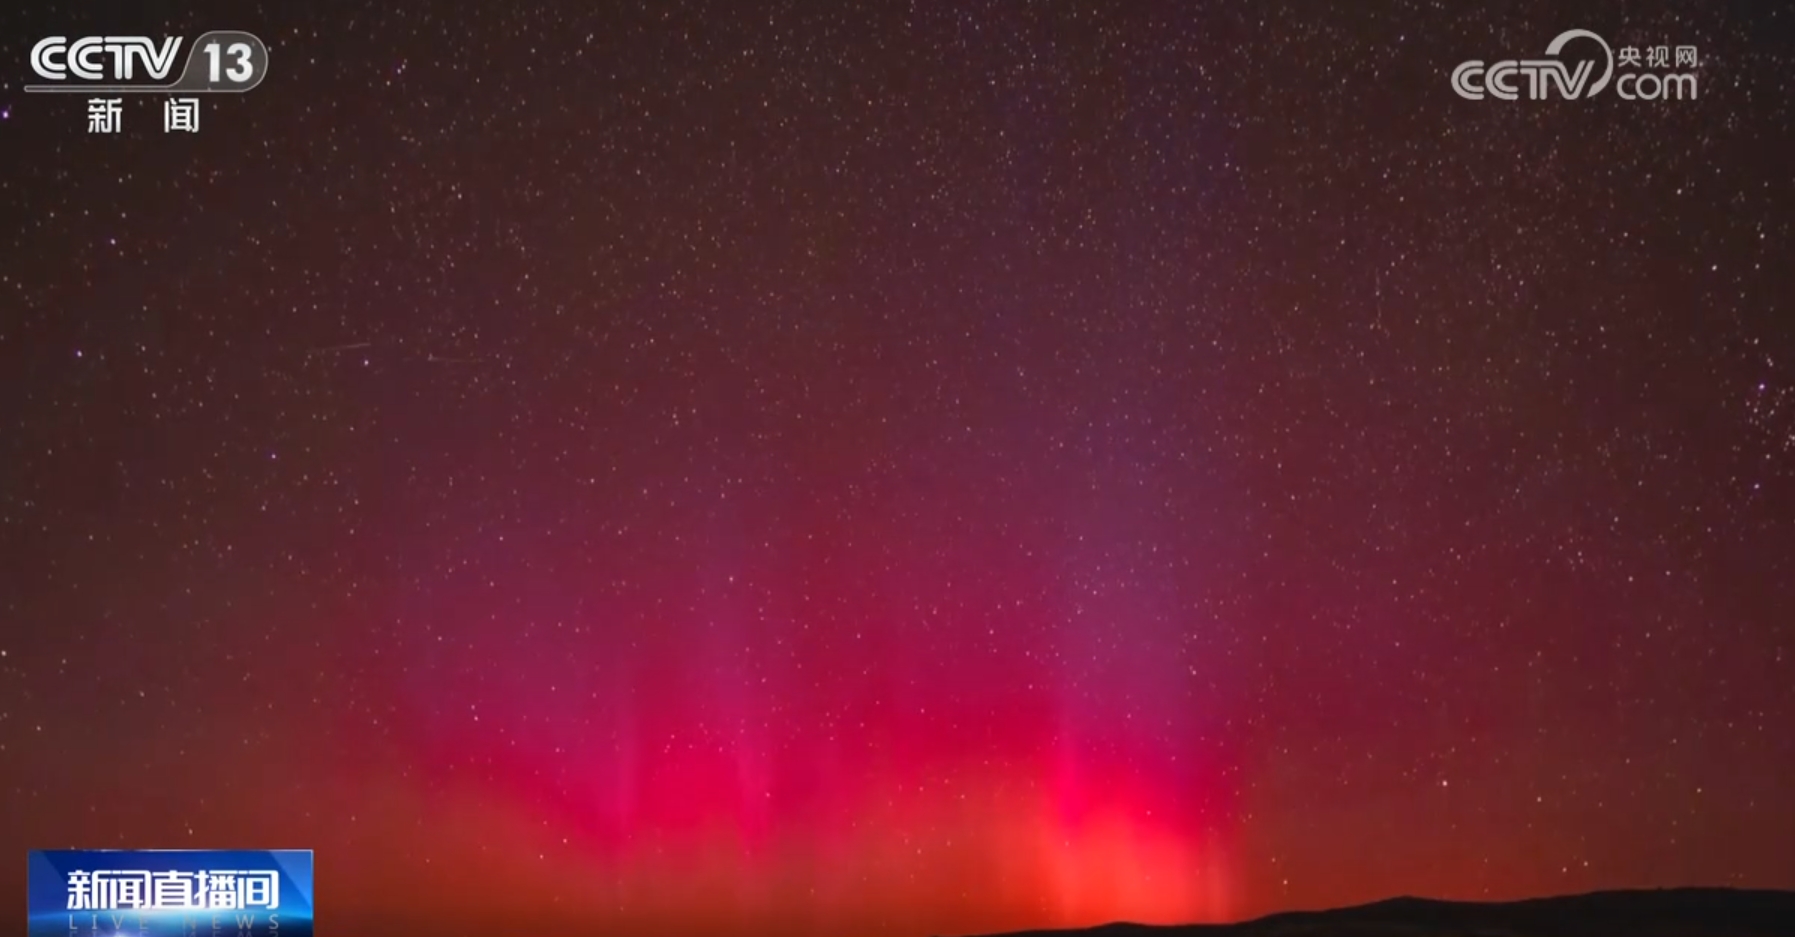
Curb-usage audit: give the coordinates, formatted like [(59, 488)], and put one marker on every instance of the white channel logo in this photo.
[(1546, 78)]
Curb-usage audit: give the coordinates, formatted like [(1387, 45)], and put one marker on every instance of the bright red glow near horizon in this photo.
[(669, 788), (973, 850)]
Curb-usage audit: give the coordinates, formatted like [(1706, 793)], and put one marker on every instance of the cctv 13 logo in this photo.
[(223, 60)]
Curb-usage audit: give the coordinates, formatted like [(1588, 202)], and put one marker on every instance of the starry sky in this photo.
[(903, 468)]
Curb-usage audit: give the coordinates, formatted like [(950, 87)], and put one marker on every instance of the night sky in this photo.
[(904, 468)]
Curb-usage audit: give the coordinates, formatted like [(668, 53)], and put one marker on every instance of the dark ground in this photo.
[(1683, 912)]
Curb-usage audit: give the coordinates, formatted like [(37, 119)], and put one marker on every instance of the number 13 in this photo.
[(237, 73)]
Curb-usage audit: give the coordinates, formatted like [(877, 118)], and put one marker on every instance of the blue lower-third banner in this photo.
[(170, 893)]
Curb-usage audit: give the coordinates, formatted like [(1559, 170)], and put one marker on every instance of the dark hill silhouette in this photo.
[(1676, 912)]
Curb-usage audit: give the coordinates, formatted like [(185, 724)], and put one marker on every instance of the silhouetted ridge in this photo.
[(1676, 912)]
